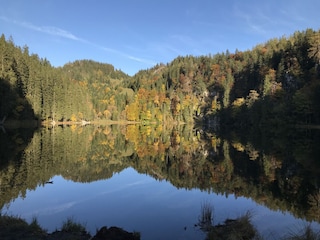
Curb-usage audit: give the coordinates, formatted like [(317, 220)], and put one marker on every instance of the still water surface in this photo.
[(166, 207), (138, 202)]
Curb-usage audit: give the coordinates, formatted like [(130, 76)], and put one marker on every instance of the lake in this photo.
[(155, 180)]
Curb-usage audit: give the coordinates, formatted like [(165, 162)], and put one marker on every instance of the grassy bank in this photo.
[(14, 227), (242, 228)]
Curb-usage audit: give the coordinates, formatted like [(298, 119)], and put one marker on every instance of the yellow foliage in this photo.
[(80, 115), (132, 111), (215, 105), (80, 130), (178, 107), (82, 159), (159, 129), (156, 100), (148, 130), (83, 83), (238, 146), (238, 102), (99, 73), (107, 114), (112, 101), (111, 144), (73, 118), (156, 146), (159, 117), (178, 138), (132, 133), (107, 130), (73, 127), (215, 142), (147, 115)]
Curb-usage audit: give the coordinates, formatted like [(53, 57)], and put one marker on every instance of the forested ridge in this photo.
[(274, 83)]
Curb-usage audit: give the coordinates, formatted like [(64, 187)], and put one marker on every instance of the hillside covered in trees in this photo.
[(274, 83)]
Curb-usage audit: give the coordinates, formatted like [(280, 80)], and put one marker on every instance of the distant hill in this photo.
[(275, 83)]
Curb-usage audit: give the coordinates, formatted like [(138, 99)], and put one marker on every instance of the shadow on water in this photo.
[(17, 121), (17, 127)]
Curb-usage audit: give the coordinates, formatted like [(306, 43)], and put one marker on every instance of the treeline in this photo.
[(104, 84), (274, 83), (32, 89)]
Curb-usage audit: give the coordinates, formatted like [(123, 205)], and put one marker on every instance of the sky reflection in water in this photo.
[(137, 202)]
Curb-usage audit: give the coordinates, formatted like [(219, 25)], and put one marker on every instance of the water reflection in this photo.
[(154, 181)]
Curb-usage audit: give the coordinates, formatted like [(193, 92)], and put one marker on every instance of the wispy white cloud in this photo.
[(250, 18), (268, 18), (137, 59), (141, 60), (55, 31), (58, 32), (50, 209)]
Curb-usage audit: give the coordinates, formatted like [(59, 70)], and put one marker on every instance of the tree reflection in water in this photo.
[(282, 175)]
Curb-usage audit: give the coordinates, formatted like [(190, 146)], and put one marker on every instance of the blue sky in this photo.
[(137, 34)]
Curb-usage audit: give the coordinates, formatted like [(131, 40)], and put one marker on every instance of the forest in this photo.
[(274, 84)]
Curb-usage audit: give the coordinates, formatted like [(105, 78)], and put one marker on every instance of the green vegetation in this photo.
[(240, 229), (13, 227), (306, 234), (274, 84), (205, 221), (70, 225)]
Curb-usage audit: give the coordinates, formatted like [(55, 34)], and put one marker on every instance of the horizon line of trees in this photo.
[(275, 83)]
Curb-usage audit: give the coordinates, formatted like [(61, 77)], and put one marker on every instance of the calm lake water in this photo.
[(155, 181)]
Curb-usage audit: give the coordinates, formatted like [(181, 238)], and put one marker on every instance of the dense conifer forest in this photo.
[(275, 83)]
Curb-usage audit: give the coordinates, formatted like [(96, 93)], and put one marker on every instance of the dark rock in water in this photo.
[(63, 235), (115, 233)]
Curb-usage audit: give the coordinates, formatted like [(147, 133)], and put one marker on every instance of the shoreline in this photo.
[(14, 227), (15, 124)]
